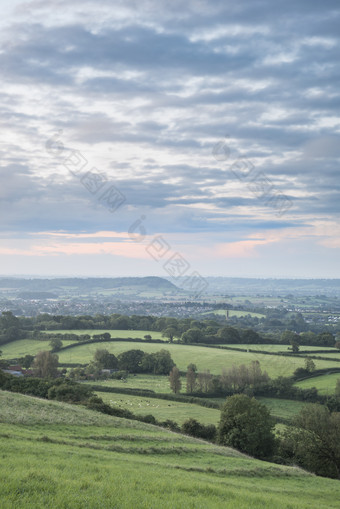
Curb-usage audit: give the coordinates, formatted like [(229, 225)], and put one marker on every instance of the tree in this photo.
[(337, 388), (45, 365), (55, 344), (204, 381), (295, 345), (229, 335), (26, 361), (314, 441), (309, 365), (191, 380), (175, 380), (105, 359), (289, 337), (130, 360), (247, 425), (170, 333), (194, 335)]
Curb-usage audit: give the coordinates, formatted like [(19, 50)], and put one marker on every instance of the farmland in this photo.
[(214, 359), (58, 455), (162, 409), (325, 384)]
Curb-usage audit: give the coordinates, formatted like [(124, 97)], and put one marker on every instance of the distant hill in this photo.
[(24, 287)]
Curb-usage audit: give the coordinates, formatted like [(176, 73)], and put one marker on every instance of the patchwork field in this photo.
[(213, 359), (56, 455)]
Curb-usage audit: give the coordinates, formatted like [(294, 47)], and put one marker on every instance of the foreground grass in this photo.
[(213, 359), (69, 457)]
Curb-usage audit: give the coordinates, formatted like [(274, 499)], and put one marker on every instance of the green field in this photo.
[(24, 347), (56, 455), (162, 409), (156, 383), (284, 348), (213, 359), (325, 384)]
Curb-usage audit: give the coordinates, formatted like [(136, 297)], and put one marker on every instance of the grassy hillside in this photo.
[(58, 455), (205, 358)]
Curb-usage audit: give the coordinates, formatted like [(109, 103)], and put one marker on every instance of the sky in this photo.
[(170, 138)]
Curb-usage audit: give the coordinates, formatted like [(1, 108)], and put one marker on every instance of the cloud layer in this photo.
[(216, 123)]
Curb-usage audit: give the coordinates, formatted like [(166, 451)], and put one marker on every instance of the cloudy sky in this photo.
[(140, 133)]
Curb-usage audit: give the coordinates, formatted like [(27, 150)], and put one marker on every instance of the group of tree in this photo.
[(130, 361), (185, 330)]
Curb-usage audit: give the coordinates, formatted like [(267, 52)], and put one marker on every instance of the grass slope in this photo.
[(58, 455)]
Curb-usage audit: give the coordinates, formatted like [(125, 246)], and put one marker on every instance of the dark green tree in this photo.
[(105, 359), (55, 344), (130, 361), (247, 425)]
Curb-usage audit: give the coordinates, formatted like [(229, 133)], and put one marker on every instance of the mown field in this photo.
[(214, 359), (56, 455), (325, 384)]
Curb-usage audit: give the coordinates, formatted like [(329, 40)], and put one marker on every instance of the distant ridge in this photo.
[(90, 284)]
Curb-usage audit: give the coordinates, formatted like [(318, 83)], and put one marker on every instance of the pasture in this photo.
[(162, 409), (214, 359), (59, 455), (156, 383), (325, 384), (23, 347)]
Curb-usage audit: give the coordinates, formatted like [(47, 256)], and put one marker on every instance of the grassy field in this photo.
[(283, 348), (58, 455), (213, 359), (114, 333), (24, 347), (162, 409), (325, 384), (156, 383)]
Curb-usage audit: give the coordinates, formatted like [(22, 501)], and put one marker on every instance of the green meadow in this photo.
[(214, 359), (24, 347), (325, 384), (156, 383), (63, 456), (162, 409)]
